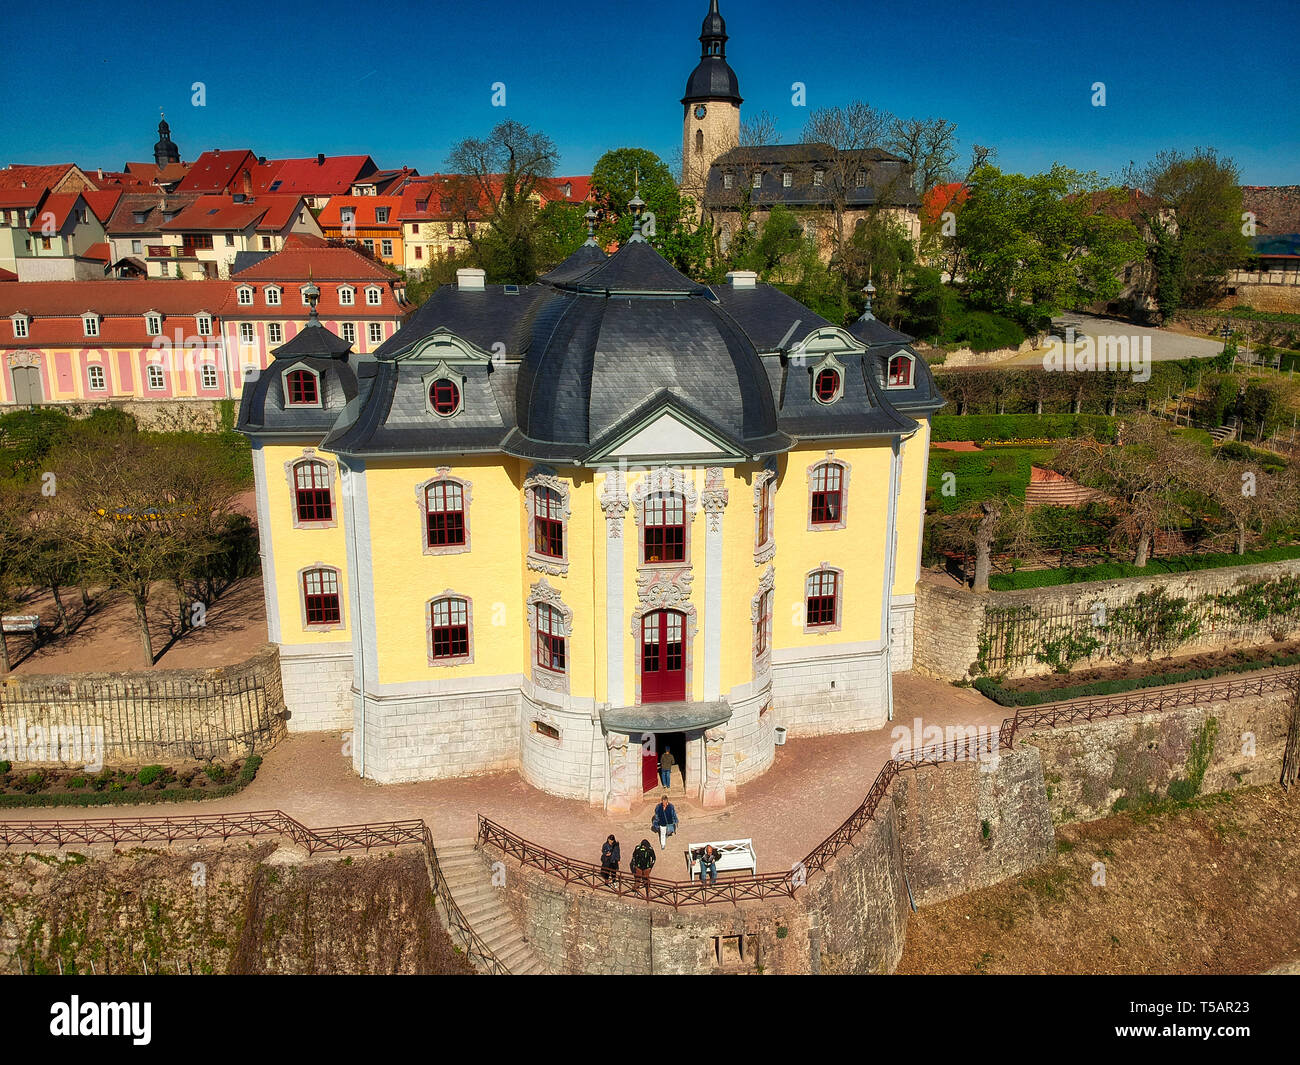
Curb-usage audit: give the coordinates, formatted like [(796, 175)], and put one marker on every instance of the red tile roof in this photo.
[(299, 261), (54, 211), (365, 206), (101, 204), (19, 175), (21, 197), (150, 203), (56, 307), (217, 170), (222, 213), (310, 177), (579, 189)]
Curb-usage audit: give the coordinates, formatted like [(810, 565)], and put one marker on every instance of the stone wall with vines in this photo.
[(1069, 627)]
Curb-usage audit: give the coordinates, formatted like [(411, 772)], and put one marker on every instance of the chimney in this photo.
[(320, 158), (100, 172), (470, 280), (742, 278)]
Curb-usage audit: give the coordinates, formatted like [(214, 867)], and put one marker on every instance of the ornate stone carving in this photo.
[(664, 479), (765, 550), (614, 501), (659, 587), (763, 658), (443, 473), (550, 679), (715, 496)]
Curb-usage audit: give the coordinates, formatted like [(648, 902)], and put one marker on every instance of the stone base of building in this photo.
[(902, 616), (317, 683), (447, 729)]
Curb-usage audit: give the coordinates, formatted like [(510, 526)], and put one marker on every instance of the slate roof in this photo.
[(556, 371), (888, 177), (262, 407), (713, 78)]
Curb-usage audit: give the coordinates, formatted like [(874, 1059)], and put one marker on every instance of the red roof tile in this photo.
[(225, 213), (365, 207), (312, 177), (217, 170), (54, 211), (298, 261), (98, 252), (101, 204), (19, 175), (56, 307)]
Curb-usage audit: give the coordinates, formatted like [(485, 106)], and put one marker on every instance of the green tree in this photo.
[(561, 230), (1041, 243), (1202, 192)]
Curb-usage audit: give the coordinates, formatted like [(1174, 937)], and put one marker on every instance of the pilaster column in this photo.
[(714, 501)]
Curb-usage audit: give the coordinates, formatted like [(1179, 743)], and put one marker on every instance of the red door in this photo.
[(649, 764), (663, 657)]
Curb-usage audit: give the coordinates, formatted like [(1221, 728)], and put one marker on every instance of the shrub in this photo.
[(153, 773), (1021, 427), (77, 782), (6, 766), (216, 773)]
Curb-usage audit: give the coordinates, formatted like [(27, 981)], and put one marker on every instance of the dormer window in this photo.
[(348, 215), (862, 179), (90, 324), (828, 385), (900, 371), (139, 217), (381, 214), (245, 296), (347, 296), (787, 179), (818, 178), (758, 179), (727, 180), (20, 326), (273, 296), (444, 397), (302, 389), (373, 296), (153, 324), (203, 323)]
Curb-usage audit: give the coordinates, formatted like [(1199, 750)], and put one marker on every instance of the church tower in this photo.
[(711, 107), (165, 151)]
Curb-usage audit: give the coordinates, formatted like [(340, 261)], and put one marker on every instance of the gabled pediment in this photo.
[(668, 431), (442, 345)]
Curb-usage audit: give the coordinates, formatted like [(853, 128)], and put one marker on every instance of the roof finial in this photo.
[(312, 294), (869, 291), (636, 205), (590, 216)]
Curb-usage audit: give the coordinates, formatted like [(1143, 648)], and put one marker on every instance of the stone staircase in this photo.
[(469, 876)]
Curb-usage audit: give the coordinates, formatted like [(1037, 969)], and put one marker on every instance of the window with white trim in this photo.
[(157, 379), (272, 296), (245, 332), (245, 295), (153, 324), (90, 325), (347, 296), (827, 506), (822, 608), (20, 327), (376, 332), (373, 295), (208, 376), (95, 377), (203, 324), (348, 331), (274, 332), (449, 630), (900, 371), (313, 501)]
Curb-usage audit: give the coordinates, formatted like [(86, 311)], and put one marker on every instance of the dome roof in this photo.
[(713, 78), (602, 344)]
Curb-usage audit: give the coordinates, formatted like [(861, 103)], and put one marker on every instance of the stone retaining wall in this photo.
[(130, 718), (949, 620)]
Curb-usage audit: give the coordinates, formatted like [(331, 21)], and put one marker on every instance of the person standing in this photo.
[(664, 821), (609, 859), (666, 763), (643, 860)]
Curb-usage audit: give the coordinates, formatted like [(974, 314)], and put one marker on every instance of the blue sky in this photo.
[(403, 81)]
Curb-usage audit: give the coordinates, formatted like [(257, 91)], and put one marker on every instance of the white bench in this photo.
[(20, 622), (734, 855)]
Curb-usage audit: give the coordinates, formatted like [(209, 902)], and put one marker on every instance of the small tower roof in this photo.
[(713, 78)]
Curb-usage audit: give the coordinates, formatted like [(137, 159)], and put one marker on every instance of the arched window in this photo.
[(302, 388), (444, 397), (551, 649), (764, 513), (449, 629), (823, 603), (699, 140), (827, 385), (320, 598), (312, 497), (444, 507), (548, 522), (827, 494), (900, 371), (665, 528)]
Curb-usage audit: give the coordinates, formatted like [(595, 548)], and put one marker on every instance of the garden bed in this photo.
[(1130, 676), (59, 786), (1108, 571)]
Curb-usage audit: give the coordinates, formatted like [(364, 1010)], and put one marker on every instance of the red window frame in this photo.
[(901, 378), (312, 492), (827, 494), (551, 649), (320, 594), (827, 385), (548, 523), (449, 628), (444, 396), (444, 511), (665, 528), (822, 598), (303, 389)]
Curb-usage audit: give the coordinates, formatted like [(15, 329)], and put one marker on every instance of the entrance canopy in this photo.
[(665, 717)]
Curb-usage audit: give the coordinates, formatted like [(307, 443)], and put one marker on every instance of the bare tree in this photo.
[(928, 144), (1249, 498), (852, 137)]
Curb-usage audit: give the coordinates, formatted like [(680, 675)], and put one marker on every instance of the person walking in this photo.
[(643, 860), (666, 763), (609, 859), (709, 864), (664, 821)]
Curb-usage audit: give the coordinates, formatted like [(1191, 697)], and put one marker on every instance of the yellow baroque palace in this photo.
[(557, 528)]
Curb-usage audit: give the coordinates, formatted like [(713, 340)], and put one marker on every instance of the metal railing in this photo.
[(224, 827), (980, 747)]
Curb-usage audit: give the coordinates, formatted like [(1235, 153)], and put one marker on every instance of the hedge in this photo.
[(1109, 571), (247, 772), (991, 687), (1021, 427), (980, 475)]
